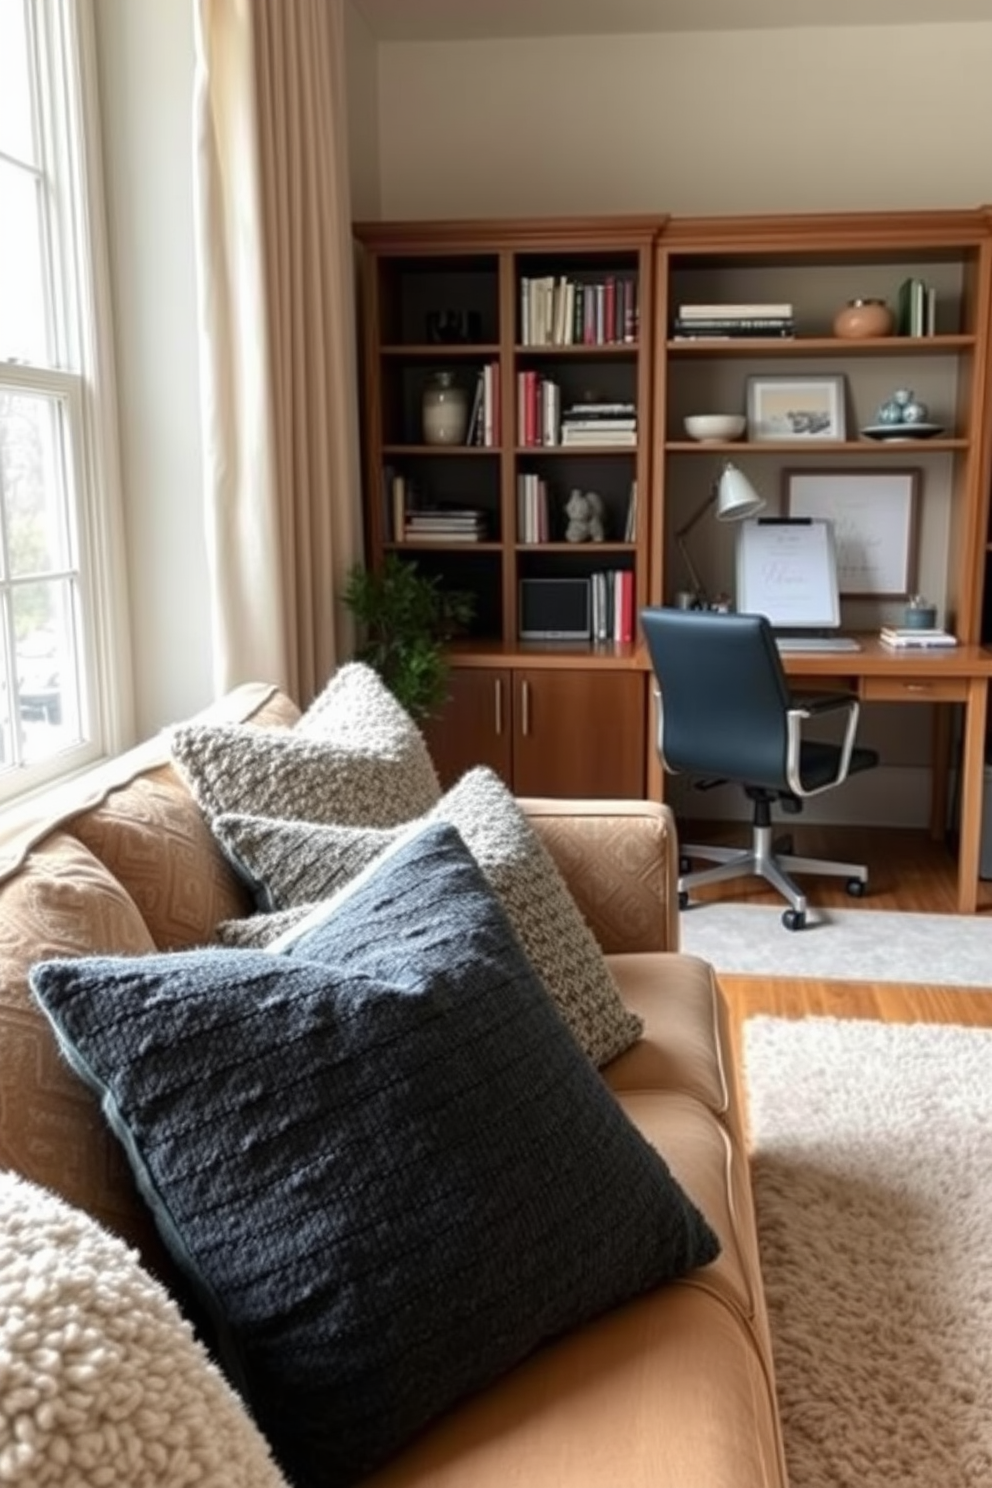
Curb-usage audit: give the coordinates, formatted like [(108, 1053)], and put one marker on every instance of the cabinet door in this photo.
[(474, 728), (579, 733)]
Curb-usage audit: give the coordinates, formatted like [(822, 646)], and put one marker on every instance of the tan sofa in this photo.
[(674, 1389)]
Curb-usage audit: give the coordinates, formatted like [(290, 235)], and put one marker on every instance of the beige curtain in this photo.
[(277, 337)]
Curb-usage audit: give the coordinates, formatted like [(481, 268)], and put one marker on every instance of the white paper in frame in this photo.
[(874, 513)]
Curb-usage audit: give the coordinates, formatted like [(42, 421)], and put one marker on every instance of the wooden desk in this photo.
[(959, 676)]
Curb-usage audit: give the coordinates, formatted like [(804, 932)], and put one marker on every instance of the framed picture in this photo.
[(874, 514), (795, 408)]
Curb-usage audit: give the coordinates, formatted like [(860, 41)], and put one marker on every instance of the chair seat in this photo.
[(818, 762)]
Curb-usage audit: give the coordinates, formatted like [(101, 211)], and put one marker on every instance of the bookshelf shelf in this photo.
[(888, 346)]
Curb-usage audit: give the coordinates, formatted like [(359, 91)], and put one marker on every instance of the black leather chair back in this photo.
[(724, 695)]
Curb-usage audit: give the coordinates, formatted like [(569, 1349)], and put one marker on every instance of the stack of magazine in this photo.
[(760, 320), (913, 637)]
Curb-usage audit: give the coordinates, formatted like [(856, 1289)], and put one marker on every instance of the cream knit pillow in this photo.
[(355, 756), (101, 1379), (289, 864)]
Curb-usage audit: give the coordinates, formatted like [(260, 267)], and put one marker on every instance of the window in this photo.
[(62, 641)]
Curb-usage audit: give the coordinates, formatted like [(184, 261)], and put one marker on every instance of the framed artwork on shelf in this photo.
[(795, 408), (874, 515)]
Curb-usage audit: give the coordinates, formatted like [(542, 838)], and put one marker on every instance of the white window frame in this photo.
[(82, 380)]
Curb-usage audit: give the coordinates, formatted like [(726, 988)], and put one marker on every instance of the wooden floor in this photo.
[(907, 871)]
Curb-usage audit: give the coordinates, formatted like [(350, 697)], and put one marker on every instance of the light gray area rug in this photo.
[(851, 944), (873, 1186)]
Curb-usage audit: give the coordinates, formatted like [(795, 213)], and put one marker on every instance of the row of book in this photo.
[(541, 421), (612, 604), (726, 322), (559, 311), (483, 427), (916, 308)]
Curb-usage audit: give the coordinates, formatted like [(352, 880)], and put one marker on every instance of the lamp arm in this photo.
[(681, 539)]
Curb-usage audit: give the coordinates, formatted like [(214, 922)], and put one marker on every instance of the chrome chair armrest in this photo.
[(815, 706)]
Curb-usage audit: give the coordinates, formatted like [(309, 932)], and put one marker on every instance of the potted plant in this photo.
[(405, 619)]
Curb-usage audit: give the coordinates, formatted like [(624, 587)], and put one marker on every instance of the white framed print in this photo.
[(796, 409), (874, 514)]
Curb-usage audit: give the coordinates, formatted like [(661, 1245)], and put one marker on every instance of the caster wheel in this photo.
[(683, 899), (857, 888), (794, 919), (784, 844)]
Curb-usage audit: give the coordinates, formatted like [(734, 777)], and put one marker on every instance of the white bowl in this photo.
[(715, 426)]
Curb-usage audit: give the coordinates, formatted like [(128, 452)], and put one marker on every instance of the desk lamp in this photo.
[(735, 499)]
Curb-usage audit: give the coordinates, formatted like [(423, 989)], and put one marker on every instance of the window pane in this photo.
[(23, 322), (33, 497), (40, 710), (16, 134)]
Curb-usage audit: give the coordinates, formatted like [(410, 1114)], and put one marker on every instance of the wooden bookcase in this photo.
[(576, 718), (817, 263), (553, 717)]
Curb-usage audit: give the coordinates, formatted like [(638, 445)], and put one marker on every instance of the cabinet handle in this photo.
[(525, 708), (499, 707)]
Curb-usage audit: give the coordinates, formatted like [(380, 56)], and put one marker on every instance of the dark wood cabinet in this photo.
[(579, 732)]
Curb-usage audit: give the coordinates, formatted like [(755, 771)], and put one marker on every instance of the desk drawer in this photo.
[(914, 689)]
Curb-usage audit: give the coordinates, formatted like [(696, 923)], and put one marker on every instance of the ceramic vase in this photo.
[(444, 410), (860, 319)]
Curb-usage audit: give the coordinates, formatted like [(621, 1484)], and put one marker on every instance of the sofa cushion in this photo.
[(355, 756), (62, 902), (290, 863), (103, 1380), (384, 1158)]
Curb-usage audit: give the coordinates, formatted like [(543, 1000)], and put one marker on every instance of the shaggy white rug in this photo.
[(873, 1185), (102, 1383), (869, 945)]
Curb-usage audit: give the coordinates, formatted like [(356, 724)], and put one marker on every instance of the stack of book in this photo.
[(717, 322), (445, 524), (913, 638), (599, 423), (613, 605)]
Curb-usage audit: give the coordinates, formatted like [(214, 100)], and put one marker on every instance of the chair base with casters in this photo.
[(765, 858), (726, 713)]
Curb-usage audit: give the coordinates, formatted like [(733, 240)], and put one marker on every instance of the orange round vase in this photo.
[(861, 319)]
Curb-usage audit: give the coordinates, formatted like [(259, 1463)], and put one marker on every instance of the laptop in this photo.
[(787, 571)]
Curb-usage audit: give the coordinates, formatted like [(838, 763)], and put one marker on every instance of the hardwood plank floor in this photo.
[(890, 1002), (906, 868)]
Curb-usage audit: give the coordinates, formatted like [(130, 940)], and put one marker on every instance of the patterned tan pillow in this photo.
[(62, 902), (296, 863), (356, 756)]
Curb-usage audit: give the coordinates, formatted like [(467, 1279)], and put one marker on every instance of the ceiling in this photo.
[(479, 20)]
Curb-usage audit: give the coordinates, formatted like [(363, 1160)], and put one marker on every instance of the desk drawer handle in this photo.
[(499, 707), (917, 686)]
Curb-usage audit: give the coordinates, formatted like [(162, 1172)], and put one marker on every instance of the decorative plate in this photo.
[(902, 431)]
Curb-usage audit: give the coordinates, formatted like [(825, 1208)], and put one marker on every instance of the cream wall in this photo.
[(764, 121), (145, 63)]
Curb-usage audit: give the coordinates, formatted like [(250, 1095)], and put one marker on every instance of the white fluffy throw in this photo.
[(102, 1382)]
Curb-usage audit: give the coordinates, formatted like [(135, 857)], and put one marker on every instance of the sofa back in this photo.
[(124, 865)]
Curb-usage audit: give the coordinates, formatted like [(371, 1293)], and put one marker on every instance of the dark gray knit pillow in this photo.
[(390, 1171)]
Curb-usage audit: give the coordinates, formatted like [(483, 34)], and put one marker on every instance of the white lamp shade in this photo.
[(736, 497)]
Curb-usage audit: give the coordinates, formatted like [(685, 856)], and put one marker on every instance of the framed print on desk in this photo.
[(799, 408), (874, 513)]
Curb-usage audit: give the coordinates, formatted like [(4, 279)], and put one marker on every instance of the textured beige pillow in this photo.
[(62, 902), (296, 863), (103, 1380), (356, 756)]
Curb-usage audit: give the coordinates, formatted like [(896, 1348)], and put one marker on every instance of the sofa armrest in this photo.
[(620, 861)]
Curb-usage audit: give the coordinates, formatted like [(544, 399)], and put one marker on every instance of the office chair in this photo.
[(725, 713)]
